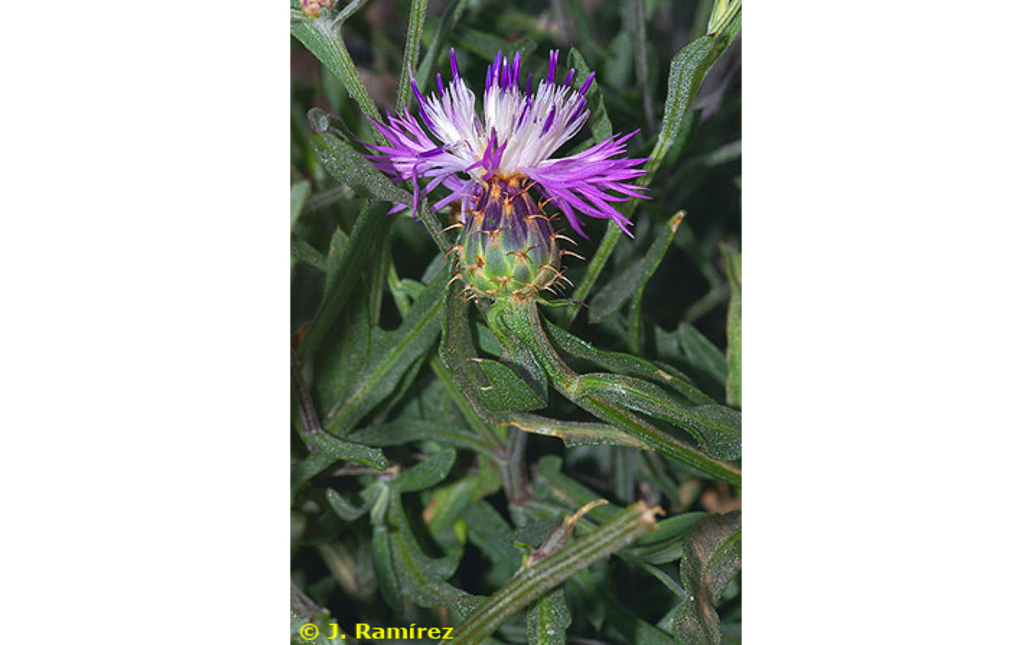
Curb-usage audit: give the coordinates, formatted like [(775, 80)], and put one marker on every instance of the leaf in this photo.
[(627, 364), (305, 252), (308, 468), (656, 253), (687, 70), (604, 400), (533, 582), (447, 503), (425, 474), (718, 429), (548, 619), (667, 543), (575, 433), (345, 164), (488, 45), (507, 391), (490, 533), (348, 451), (712, 557), (551, 482), (322, 37), (404, 431), (298, 195), (420, 578), (609, 298), (346, 257), (703, 360), (631, 281), (609, 407), (417, 16), (344, 508), (733, 266), (386, 572), (598, 120), (627, 624), (517, 356), (390, 356), (440, 28)]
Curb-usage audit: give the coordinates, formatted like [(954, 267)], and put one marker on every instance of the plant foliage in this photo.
[(537, 471)]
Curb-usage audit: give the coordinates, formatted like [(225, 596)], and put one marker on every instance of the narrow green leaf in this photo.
[(523, 320), (632, 282), (417, 16), (322, 37), (420, 577), (517, 356), (627, 364), (445, 505), (598, 120), (441, 29), (608, 299), (656, 253), (386, 572), (490, 533), (426, 473), (305, 252), (687, 70), (575, 433), (308, 468), (632, 628), (548, 619), (733, 266), (704, 361), (457, 368), (486, 45), (344, 508), (718, 429), (569, 491), (404, 431), (712, 557), (346, 257), (533, 582), (507, 391), (348, 451), (391, 356), (345, 164), (298, 196), (667, 543), (616, 413)]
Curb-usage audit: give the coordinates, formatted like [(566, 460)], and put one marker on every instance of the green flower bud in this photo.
[(508, 248)]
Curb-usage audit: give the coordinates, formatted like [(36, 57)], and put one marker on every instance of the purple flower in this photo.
[(516, 138)]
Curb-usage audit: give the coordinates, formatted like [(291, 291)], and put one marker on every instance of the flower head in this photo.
[(514, 140)]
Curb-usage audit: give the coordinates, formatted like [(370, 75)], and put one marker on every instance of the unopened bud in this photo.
[(312, 8)]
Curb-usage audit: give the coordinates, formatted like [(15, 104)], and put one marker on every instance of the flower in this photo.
[(512, 144), (312, 8)]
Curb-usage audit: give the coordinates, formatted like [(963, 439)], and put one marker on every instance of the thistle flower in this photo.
[(492, 163)]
